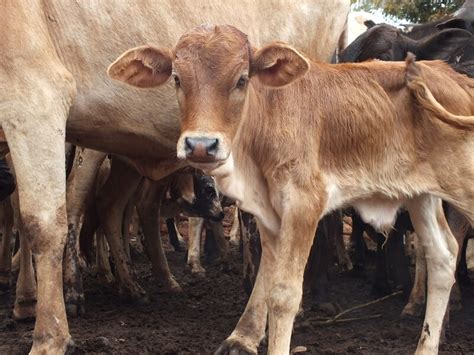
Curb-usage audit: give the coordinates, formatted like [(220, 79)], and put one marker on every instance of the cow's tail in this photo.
[(426, 99)]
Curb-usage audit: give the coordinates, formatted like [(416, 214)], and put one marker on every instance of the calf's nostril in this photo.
[(212, 146), (189, 145)]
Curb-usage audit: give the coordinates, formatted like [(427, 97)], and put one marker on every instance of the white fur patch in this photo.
[(380, 213)]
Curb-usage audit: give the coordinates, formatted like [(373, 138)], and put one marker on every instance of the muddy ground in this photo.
[(196, 321)]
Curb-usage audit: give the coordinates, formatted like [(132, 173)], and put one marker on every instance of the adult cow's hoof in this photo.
[(232, 346), (198, 271), (56, 345), (413, 310), (134, 293), (5, 281), (74, 304), (172, 286), (24, 309)]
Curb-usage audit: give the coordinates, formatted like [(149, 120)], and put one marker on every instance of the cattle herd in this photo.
[(168, 106)]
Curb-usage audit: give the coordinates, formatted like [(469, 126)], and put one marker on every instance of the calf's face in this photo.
[(212, 67)]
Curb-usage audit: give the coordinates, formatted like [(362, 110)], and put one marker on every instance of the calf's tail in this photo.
[(426, 99)]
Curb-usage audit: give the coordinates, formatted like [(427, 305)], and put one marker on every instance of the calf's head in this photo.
[(212, 68)]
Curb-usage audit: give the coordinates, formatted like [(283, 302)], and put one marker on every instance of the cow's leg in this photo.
[(416, 301), (195, 226), (25, 297), (250, 329), (342, 254), (126, 222), (318, 268), (110, 206), (441, 250), (90, 225), (80, 186), (104, 271), (148, 212), (217, 230), (174, 235), (38, 157), (289, 253), (234, 234), (357, 238), (6, 251)]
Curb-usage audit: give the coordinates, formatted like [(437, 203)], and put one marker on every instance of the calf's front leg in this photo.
[(288, 254)]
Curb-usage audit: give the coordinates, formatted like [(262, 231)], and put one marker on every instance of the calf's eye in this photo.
[(241, 82), (176, 81)]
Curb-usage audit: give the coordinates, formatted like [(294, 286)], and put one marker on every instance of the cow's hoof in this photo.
[(172, 286), (413, 310), (74, 302), (105, 278), (455, 305), (56, 345), (24, 310), (5, 281), (326, 308), (75, 310), (134, 293), (234, 347), (198, 271)]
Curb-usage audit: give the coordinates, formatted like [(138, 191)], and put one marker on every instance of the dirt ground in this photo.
[(196, 321)]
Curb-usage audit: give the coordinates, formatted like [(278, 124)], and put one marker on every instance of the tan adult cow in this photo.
[(53, 57), (341, 134)]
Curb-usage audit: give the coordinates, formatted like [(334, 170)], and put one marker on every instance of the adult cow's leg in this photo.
[(104, 271), (6, 252), (173, 234), (195, 225), (110, 206), (250, 329), (148, 211), (288, 256), (80, 185), (25, 297), (416, 301), (37, 150), (441, 250), (222, 244)]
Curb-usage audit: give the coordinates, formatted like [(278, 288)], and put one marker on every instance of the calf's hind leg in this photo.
[(441, 250)]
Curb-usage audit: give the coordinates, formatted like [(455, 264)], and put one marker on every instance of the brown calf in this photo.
[(339, 135)]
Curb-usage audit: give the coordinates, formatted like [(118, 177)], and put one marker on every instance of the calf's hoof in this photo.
[(235, 347)]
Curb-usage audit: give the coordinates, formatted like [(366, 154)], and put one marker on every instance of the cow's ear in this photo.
[(443, 45), (453, 23), (143, 67), (278, 64)]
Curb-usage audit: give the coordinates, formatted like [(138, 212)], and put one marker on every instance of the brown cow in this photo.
[(341, 134)]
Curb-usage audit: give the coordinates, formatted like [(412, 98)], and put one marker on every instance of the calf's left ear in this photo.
[(143, 67), (278, 64)]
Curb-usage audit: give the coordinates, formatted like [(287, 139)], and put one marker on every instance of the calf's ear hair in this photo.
[(143, 67), (278, 64)]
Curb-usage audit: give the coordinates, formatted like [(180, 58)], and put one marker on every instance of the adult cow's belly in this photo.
[(108, 120)]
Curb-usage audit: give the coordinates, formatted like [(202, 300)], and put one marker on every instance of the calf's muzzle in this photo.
[(201, 148)]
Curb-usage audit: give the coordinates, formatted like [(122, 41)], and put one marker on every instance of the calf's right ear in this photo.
[(143, 67)]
